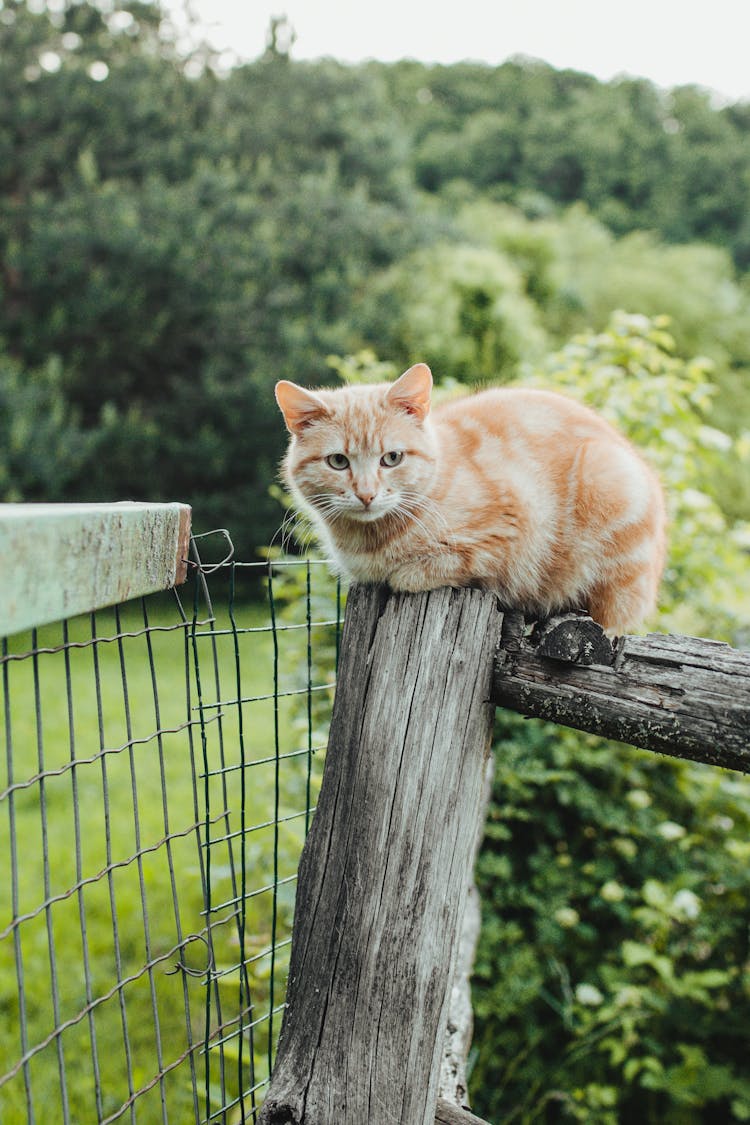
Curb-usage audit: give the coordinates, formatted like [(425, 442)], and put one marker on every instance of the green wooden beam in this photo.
[(57, 560)]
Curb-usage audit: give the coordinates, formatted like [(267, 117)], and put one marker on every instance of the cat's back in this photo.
[(578, 511), (508, 412), (539, 432), (551, 454)]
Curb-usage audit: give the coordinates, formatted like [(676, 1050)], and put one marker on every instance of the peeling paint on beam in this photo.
[(57, 560)]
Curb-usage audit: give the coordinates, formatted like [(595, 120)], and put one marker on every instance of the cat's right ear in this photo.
[(411, 391), (299, 407)]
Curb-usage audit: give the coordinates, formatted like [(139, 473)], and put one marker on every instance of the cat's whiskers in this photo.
[(295, 528), (304, 534), (284, 532), (434, 522), (410, 520), (326, 506)]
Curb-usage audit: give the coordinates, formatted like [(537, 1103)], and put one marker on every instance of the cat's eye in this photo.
[(390, 460), (337, 461)]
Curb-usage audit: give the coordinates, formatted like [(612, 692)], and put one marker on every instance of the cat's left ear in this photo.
[(411, 392), (299, 406)]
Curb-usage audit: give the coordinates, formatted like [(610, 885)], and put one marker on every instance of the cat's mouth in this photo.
[(365, 515)]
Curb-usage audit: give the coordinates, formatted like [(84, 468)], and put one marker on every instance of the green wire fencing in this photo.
[(160, 765)]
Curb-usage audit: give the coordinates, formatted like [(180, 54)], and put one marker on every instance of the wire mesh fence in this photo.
[(159, 773)]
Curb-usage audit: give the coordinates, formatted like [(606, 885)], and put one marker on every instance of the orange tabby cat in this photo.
[(521, 491)]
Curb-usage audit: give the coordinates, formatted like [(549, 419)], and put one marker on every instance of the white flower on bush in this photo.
[(589, 995), (696, 500), (668, 830), (712, 438), (567, 917), (612, 891), (686, 905), (629, 997)]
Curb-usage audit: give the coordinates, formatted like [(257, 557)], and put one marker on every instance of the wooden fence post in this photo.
[(385, 869)]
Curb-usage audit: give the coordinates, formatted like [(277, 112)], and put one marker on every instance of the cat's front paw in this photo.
[(407, 584), (413, 579)]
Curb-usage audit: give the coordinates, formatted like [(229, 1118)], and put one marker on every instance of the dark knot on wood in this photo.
[(280, 1113), (572, 638)]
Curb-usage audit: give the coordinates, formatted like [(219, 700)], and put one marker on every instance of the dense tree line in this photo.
[(174, 238), (640, 157)]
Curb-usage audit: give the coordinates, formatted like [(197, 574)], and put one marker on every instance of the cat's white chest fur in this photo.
[(357, 565)]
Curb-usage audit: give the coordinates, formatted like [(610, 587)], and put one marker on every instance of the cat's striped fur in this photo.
[(521, 491)]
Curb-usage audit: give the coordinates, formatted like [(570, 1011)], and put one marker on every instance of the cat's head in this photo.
[(360, 452)]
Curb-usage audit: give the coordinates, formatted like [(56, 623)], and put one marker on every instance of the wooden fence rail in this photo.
[(682, 696), (386, 866), (57, 560)]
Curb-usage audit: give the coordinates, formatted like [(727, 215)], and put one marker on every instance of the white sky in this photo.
[(672, 42)]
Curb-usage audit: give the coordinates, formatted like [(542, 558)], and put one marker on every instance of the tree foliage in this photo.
[(639, 157), (176, 243), (174, 237)]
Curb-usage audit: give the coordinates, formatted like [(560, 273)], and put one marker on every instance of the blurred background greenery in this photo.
[(175, 237)]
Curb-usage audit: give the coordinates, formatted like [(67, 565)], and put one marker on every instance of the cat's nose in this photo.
[(366, 496)]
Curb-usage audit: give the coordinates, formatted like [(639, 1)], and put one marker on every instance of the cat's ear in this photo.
[(411, 392), (299, 407)]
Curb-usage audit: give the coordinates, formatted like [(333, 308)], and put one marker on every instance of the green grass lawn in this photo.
[(113, 849)]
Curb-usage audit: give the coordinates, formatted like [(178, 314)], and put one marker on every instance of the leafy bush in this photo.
[(462, 305), (611, 982)]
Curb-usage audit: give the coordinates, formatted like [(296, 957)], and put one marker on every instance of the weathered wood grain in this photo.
[(448, 1114), (386, 865), (682, 696), (453, 1086)]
